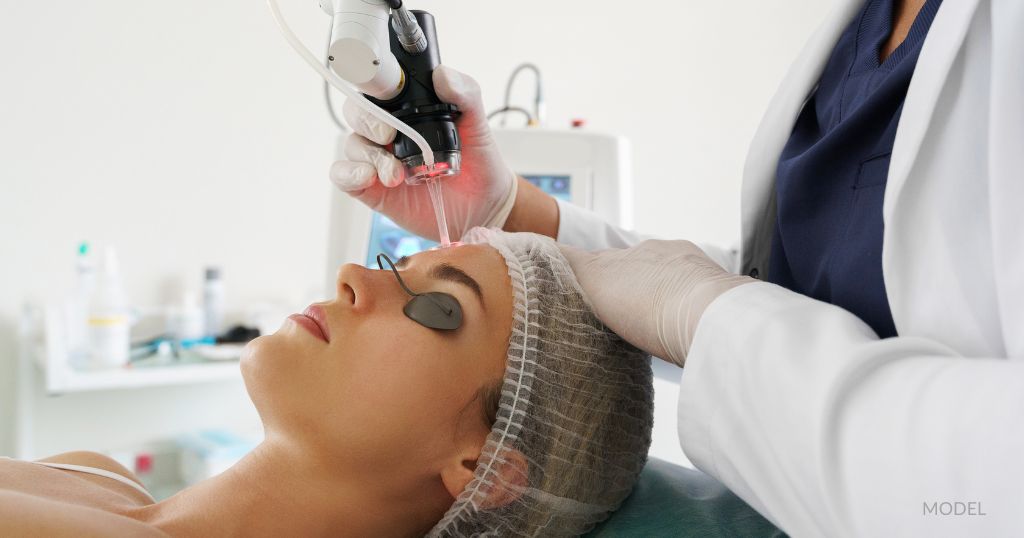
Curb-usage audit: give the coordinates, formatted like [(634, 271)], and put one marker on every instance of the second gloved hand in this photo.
[(481, 195), (654, 294)]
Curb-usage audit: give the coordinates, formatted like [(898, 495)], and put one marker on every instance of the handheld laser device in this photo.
[(393, 66)]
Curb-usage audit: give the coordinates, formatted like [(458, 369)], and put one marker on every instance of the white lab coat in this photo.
[(796, 405)]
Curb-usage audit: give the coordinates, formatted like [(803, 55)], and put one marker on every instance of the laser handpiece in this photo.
[(357, 57), (414, 43), (400, 81)]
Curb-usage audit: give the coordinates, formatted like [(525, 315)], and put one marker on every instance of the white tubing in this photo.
[(343, 87)]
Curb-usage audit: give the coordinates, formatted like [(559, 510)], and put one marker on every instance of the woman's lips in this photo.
[(314, 320)]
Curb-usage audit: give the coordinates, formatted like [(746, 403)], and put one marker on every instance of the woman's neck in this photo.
[(274, 491)]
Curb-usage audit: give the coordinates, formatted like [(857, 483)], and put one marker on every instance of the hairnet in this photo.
[(575, 415)]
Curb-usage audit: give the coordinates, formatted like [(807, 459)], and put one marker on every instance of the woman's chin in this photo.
[(257, 365), (254, 356)]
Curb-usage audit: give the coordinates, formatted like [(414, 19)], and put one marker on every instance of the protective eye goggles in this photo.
[(433, 310)]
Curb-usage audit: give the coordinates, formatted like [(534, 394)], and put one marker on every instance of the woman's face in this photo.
[(382, 389)]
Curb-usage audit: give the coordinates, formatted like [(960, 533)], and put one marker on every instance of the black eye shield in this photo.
[(434, 310)]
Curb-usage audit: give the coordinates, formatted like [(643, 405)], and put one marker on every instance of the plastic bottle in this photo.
[(85, 285), (108, 323), (144, 469), (190, 322), (213, 302), (85, 269)]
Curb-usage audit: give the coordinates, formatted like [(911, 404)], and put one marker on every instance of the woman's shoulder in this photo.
[(30, 515), (94, 460), (30, 508)]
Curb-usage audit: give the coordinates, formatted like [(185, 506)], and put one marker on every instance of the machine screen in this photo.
[(389, 238)]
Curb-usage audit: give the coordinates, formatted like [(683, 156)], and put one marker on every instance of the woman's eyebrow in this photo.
[(445, 271)]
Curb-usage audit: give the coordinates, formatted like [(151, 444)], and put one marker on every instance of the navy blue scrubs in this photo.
[(832, 174)]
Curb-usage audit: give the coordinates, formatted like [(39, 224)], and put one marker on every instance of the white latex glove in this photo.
[(654, 294), (482, 195)]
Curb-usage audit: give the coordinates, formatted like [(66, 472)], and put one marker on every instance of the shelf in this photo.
[(70, 381)]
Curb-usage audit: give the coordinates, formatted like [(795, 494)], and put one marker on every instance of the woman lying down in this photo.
[(528, 419)]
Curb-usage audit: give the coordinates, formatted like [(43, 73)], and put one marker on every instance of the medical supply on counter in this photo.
[(78, 305), (85, 269), (156, 463), (168, 347), (399, 81), (213, 301), (208, 453), (186, 322), (220, 352), (159, 347), (108, 323), (143, 467), (239, 334)]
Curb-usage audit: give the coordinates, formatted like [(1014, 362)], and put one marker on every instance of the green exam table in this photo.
[(670, 500)]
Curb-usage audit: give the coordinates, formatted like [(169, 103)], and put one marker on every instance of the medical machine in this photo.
[(588, 169)]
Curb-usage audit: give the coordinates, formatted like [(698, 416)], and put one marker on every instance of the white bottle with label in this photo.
[(108, 325), (78, 314), (190, 322), (213, 301)]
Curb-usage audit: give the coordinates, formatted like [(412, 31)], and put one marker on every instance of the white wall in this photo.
[(687, 81), (188, 134)]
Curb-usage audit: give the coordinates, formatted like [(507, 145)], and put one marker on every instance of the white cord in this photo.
[(343, 87)]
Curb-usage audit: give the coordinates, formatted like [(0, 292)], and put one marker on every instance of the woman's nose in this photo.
[(353, 283)]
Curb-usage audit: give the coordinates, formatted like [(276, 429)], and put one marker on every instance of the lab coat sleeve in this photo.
[(803, 412), (585, 229)]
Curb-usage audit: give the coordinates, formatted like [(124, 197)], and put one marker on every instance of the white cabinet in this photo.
[(59, 409)]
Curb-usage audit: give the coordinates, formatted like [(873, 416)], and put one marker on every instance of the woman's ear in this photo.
[(509, 476), (459, 473)]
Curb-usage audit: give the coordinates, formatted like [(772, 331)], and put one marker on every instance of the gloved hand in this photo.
[(482, 195), (654, 294)]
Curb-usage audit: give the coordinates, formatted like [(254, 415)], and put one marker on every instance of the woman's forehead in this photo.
[(483, 263), (481, 257)]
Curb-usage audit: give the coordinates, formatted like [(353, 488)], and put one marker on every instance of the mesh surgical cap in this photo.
[(575, 414)]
